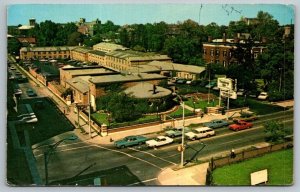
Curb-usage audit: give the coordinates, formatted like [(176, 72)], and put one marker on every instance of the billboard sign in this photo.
[(226, 84), (232, 94)]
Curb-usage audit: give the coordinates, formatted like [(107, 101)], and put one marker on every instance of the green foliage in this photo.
[(279, 165), (275, 132), (75, 38), (13, 46)]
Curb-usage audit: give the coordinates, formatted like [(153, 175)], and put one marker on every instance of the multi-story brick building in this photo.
[(27, 53), (125, 60), (80, 53), (220, 50), (96, 56)]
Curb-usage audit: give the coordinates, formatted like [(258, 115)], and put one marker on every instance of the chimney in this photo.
[(209, 39), (224, 38)]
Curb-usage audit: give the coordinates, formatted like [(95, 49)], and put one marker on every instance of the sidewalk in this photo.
[(194, 175)]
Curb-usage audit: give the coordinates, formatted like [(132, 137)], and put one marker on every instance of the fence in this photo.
[(241, 156)]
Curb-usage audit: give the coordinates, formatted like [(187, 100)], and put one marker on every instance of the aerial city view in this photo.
[(150, 95)]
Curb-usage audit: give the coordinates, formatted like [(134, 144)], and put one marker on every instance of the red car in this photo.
[(240, 125)]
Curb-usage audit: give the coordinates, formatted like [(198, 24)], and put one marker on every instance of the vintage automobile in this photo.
[(240, 125), (217, 123), (245, 116), (159, 141), (176, 132), (200, 133), (130, 141)]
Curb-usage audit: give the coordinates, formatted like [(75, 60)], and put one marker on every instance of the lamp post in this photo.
[(194, 107), (48, 153), (89, 105), (208, 82), (182, 138)]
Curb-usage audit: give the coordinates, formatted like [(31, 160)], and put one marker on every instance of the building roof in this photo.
[(65, 48), (96, 52), (125, 78), (79, 83), (31, 40), (82, 49), (137, 56), (144, 90), (168, 66), (110, 46), (25, 27), (87, 71)]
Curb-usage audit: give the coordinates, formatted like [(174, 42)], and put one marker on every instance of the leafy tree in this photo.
[(274, 131), (13, 46), (75, 38)]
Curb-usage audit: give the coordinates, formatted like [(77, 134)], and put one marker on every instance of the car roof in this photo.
[(161, 137), (203, 129)]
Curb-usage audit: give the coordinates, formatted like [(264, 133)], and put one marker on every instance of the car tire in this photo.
[(140, 143), (172, 136), (122, 146), (208, 135)]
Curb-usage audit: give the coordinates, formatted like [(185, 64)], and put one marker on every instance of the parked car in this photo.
[(240, 125), (176, 132), (181, 81), (188, 82), (130, 141), (245, 116), (159, 141), (200, 133), (216, 123), (30, 93), (240, 92), (18, 92), (216, 88), (263, 96), (211, 84), (28, 119)]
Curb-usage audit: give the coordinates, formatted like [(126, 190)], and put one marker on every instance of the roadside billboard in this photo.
[(232, 94), (226, 83)]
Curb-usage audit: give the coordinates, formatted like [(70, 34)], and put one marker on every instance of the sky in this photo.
[(122, 14)]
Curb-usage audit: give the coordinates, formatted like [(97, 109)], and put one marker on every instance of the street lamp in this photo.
[(48, 153), (182, 137), (194, 107)]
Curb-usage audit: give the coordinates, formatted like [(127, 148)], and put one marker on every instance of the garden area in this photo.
[(279, 165)]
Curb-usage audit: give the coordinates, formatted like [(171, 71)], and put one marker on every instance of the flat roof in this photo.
[(125, 78), (61, 48), (137, 56), (168, 66), (79, 83), (88, 71), (96, 52), (111, 46), (82, 49), (144, 90)]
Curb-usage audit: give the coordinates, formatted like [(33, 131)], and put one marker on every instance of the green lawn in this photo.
[(179, 112), (201, 104), (262, 108), (279, 165), (102, 118)]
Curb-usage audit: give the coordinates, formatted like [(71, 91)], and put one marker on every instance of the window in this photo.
[(204, 51), (224, 53), (217, 61), (212, 52), (224, 63), (217, 52)]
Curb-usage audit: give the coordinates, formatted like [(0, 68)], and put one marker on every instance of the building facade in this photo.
[(80, 53), (27, 53), (108, 47)]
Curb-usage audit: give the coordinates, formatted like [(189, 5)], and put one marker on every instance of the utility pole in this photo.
[(182, 138), (89, 113), (208, 84)]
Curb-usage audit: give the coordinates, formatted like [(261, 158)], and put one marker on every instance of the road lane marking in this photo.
[(152, 155), (129, 156), (145, 181)]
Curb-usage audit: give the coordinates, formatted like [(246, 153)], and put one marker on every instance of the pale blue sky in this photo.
[(142, 13)]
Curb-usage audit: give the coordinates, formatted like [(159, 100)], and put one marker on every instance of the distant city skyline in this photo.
[(122, 14)]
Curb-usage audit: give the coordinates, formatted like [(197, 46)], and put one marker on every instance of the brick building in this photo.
[(220, 50), (108, 47), (80, 53), (27, 53)]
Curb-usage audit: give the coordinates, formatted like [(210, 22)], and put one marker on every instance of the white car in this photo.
[(263, 96), (240, 92), (159, 141), (200, 133)]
